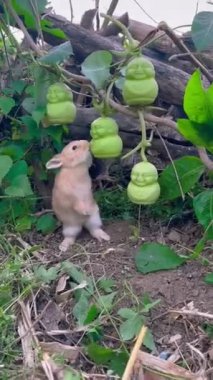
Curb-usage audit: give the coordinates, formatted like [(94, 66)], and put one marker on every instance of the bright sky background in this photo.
[(174, 12)]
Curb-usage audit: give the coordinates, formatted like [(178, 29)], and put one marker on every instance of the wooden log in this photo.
[(171, 80)]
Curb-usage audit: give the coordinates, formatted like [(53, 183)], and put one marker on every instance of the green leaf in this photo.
[(18, 168), (92, 314), (203, 207), (189, 169), (29, 10), (106, 302), (24, 223), (195, 102), (15, 151), (18, 86), (131, 328), (126, 313), (28, 104), (31, 131), (69, 374), (46, 275), (5, 165), (46, 224), (209, 279), (118, 363), (202, 30), (96, 67), (106, 284), (80, 310), (20, 187), (38, 115), (6, 104), (43, 78), (77, 275), (57, 54), (47, 27), (100, 355), (148, 341), (55, 132), (148, 304), (200, 135), (153, 257)]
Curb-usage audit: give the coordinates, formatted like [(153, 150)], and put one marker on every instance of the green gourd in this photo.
[(60, 106), (143, 189), (140, 87), (105, 143)]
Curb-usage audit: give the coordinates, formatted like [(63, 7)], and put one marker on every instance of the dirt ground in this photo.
[(177, 288)]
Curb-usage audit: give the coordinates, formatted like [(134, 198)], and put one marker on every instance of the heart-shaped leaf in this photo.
[(153, 257), (202, 30), (203, 206), (96, 67)]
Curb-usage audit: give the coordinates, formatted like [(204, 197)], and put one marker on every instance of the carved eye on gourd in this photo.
[(105, 143)]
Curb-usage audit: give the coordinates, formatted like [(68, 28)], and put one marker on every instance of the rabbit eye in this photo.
[(74, 147)]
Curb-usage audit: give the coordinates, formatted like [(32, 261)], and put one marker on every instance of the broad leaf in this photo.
[(77, 275), (106, 302), (188, 170), (80, 310), (149, 340), (99, 354), (92, 314), (131, 328), (209, 279), (43, 79), (46, 275), (30, 130), (195, 101), (20, 187), (47, 27), (203, 207), (18, 168), (5, 165), (153, 257), (57, 54), (18, 86), (96, 67), (199, 135), (24, 223), (6, 104), (202, 30), (46, 224), (126, 313), (28, 104), (15, 151)]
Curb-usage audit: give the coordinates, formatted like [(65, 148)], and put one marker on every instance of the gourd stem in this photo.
[(107, 97), (121, 26), (144, 142), (131, 151)]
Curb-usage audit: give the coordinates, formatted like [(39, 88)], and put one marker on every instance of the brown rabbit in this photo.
[(72, 198)]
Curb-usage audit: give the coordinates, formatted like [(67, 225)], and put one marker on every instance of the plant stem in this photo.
[(144, 142), (121, 26)]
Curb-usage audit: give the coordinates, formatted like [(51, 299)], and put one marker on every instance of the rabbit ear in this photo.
[(55, 162)]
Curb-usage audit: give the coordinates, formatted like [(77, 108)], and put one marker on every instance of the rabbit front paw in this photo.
[(66, 243), (100, 235), (84, 208)]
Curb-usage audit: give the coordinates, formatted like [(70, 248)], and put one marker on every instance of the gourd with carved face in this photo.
[(105, 143), (140, 87), (60, 106), (143, 188)]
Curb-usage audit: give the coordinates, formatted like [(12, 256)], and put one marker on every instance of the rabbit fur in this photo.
[(72, 198)]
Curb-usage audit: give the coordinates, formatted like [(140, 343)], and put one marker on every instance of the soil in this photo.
[(174, 288)]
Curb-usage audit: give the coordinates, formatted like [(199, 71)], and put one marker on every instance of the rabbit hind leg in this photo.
[(70, 233), (93, 225)]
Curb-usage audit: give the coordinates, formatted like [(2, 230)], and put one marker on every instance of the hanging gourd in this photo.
[(143, 189), (105, 143), (140, 87), (60, 106)]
